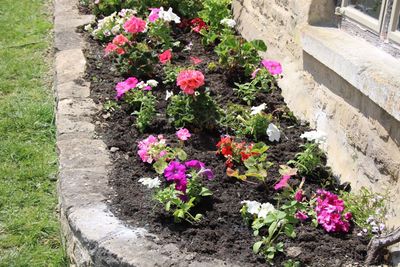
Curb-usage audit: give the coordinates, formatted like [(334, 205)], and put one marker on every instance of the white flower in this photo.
[(169, 94), (258, 109), (152, 83), (188, 47), (150, 183), (273, 133), (265, 209), (253, 207), (228, 22), (141, 85), (88, 27), (168, 15), (115, 30), (318, 137)]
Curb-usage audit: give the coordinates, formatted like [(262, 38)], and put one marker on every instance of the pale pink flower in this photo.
[(154, 14), (254, 74), (274, 67), (190, 80), (183, 134)]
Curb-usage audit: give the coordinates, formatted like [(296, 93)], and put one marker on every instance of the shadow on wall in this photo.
[(322, 13)]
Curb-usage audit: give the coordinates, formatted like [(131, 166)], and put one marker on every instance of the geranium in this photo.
[(274, 67), (183, 134), (120, 40), (190, 80), (329, 211), (135, 25), (283, 182), (113, 48), (152, 148), (198, 24), (154, 14), (165, 56), (196, 60), (125, 86)]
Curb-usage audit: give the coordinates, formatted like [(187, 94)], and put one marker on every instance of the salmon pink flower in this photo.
[(274, 67), (110, 48), (120, 40), (165, 56), (190, 80), (135, 25), (183, 134)]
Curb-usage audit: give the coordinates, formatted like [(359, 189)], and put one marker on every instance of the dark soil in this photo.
[(222, 233)]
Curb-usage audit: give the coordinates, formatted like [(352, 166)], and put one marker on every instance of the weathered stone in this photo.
[(67, 39), (70, 65), (78, 108), (73, 90), (293, 252)]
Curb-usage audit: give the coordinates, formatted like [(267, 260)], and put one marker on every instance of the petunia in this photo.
[(273, 133), (256, 110), (150, 183), (274, 67), (283, 182)]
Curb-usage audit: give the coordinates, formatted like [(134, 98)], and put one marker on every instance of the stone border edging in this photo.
[(93, 235)]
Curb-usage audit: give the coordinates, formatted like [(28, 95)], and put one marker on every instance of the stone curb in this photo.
[(93, 235)]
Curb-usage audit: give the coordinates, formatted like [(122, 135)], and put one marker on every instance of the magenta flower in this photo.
[(299, 196), (274, 67), (282, 183), (183, 134), (125, 86), (195, 164), (301, 216), (175, 171), (208, 173), (154, 14)]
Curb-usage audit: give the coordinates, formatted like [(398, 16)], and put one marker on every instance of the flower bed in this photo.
[(206, 153)]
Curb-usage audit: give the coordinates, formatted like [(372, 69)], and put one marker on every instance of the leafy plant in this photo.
[(144, 104), (170, 73), (263, 82), (106, 7), (308, 160), (199, 111), (235, 53), (159, 34)]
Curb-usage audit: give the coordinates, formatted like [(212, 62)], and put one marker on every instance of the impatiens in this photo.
[(165, 56), (274, 67), (183, 134), (329, 211), (135, 25), (190, 80)]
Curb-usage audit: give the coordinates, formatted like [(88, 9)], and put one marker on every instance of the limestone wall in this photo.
[(363, 138)]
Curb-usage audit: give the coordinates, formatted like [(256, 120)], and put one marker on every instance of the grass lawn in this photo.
[(29, 229)]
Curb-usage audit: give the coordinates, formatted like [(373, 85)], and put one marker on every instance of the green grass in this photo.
[(29, 229)]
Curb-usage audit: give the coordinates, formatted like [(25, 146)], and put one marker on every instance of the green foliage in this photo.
[(107, 7), (110, 105), (159, 34), (171, 72), (172, 153), (291, 263), (262, 83), (239, 119), (366, 207), (198, 111), (236, 53), (144, 104), (308, 160)]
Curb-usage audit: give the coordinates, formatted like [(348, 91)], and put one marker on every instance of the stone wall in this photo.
[(361, 119)]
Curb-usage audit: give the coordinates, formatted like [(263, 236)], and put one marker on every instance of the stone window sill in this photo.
[(372, 71)]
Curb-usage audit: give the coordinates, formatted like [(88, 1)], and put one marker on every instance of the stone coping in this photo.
[(372, 71), (93, 235)]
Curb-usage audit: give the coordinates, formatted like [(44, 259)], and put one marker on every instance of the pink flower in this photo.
[(135, 25), (299, 196), (274, 67), (282, 183), (125, 86), (190, 80), (196, 60), (113, 48), (165, 56), (149, 148), (301, 216), (120, 40), (183, 134), (348, 216), (154, 14), (254, 74)]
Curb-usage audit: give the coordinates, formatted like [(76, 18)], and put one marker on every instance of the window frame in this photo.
[(373, 24), (393, 31)]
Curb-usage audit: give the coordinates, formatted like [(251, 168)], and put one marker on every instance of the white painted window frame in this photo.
[(394, 33)]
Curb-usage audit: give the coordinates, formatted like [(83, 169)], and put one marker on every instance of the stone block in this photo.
[(73, 90), (70, 65)]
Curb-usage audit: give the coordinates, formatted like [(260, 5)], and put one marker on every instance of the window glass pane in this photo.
[(369, 7)]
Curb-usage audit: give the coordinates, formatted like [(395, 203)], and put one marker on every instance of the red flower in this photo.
[(113, 48), (190, 80), (198, 24), (226, 151), (165, 56), (245, 155)]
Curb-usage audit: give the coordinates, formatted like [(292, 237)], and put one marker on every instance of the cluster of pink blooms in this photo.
[(116, 45), (129, 84), (135, 25), (165, 56), (183, 134), (190, 80), (152, 148), (329, 212)]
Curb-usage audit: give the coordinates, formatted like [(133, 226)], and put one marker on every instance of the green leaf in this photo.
[(272, 228), (198, 217), (205, 192), (160, 165), (181, 154), (289, 231), (257, 246), (259, 45), (168, 206)]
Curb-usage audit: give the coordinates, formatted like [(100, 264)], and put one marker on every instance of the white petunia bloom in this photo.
[(258, 109), (253, 207), (169, 94), (116, 29), (228, 22), (168, 15), (141, 85), (318, 137), (265, 209), (152, 83), (150, 183), (273, 133)]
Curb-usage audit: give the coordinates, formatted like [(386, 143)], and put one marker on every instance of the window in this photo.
[(379, 16)]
